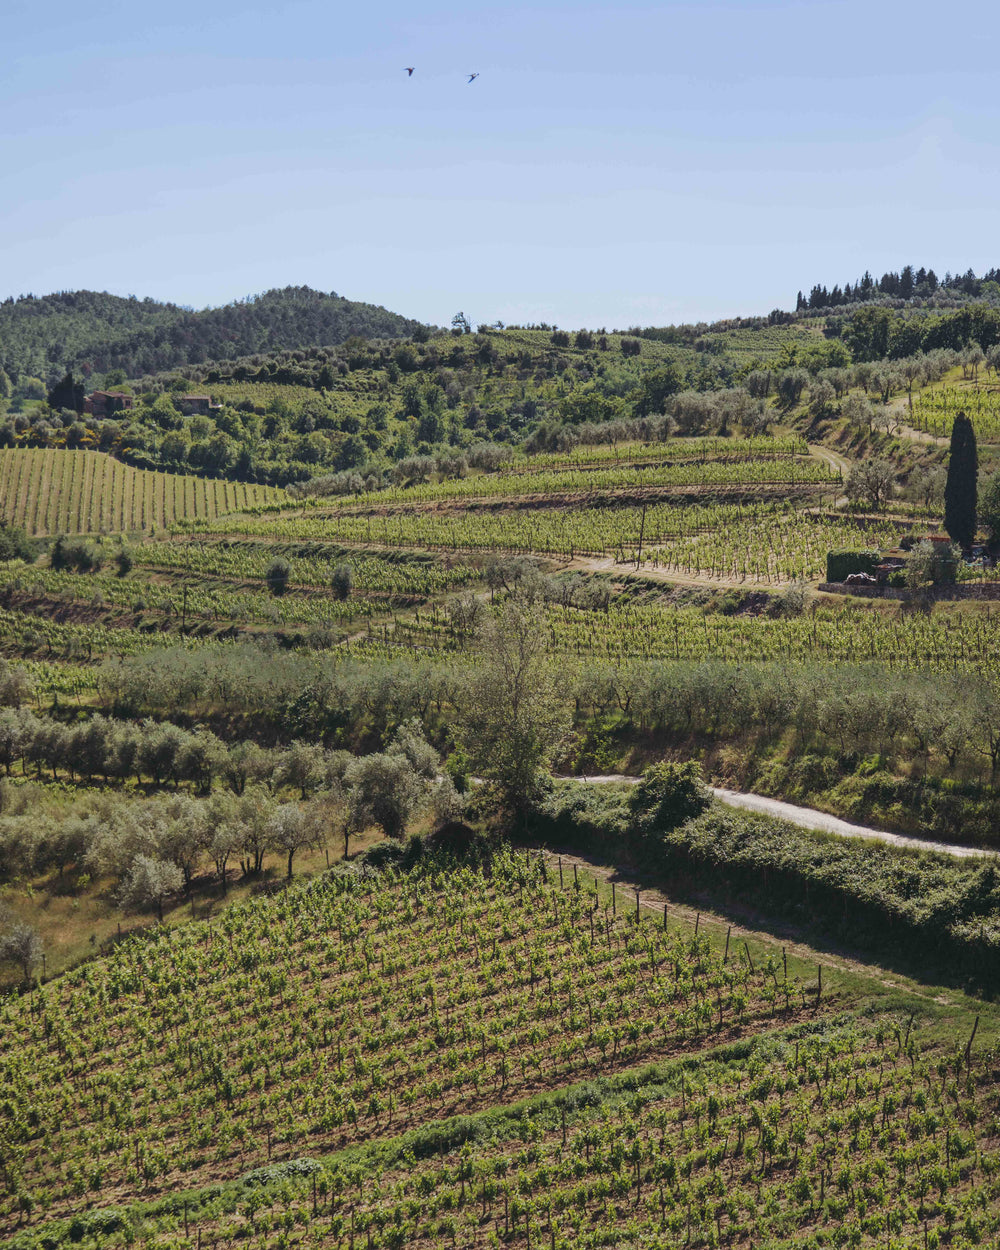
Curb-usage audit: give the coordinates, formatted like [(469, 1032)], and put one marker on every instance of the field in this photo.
[(510, 992), (935, 409), (349, 1013), (755, 541), (383, 982), (85, 492)]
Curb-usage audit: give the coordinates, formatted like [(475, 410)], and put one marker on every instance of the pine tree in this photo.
[(960, 486)]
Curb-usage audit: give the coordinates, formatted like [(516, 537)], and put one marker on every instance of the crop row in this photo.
[(839, 1138), (739, 474), (190, 601), (51, 491), (338, 1013), (623, 632), (707, 448), (757, 541), (935, 410), (370, 573)]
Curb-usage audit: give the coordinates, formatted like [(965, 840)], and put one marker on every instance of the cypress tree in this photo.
[(960, 487)]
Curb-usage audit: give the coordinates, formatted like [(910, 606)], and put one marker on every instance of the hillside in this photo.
[(275, 972), (83, 492), (91, 332)]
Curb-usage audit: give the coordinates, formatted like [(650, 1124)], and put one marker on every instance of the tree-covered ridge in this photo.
[(287, 416), (908, 283), (92, 332)]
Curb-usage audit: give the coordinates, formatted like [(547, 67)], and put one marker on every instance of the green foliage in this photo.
[(277, 575), (341, 581), (989, 506), (79, 330), (936, 910), (960, 487), (841, 564), (668, 795), (933, 563), (14, 545), (75, 554)]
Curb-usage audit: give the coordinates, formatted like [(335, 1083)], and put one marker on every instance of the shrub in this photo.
[(841, 564), (668, 795), (279, 571), (341, 581)]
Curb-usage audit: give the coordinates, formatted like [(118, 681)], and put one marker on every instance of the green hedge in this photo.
[(841, 564), (931, 911)]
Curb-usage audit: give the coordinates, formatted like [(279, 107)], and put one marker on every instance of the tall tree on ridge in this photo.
[(960, 487)]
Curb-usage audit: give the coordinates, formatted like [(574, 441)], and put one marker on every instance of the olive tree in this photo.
[(383, 789), (291, 829), (278, 575), (871, 481), (149, 882), (22, 946)]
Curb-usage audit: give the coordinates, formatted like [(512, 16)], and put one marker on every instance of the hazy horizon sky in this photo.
[(610, 166)]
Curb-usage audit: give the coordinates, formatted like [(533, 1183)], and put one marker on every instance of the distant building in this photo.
[(196, 405), (106, 403)]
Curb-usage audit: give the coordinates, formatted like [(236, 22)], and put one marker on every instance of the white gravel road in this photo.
[(809, 818)]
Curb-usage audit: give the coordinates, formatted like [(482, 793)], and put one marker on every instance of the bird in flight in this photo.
[(473, 77), (409, 70)]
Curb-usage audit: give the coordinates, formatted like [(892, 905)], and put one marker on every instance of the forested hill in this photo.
[(93, 332)]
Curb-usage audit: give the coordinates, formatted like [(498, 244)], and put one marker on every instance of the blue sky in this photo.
[(611, 165)]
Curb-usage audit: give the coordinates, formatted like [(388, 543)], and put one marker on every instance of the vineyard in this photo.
[(726, 450), (341, 1013), (314, 1045), (312, 745), (845, 634), (859, 1138), (310, 565), (84, 492), (720, 474), (752, 541), (935, 410)]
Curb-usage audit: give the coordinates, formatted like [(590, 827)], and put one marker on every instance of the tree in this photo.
[(960, 487), (289, 830), (927, 486), (149, 881), (460, 324), (931, 562), (513, 717), (22, 946), (254, 811), (669, 794), (912, 371), (278, 574), (341, 581), (300, 766), (382, 789), (791, 384), (67, 394), (871, 481), (409, 741), (858, 411), (14, 545)]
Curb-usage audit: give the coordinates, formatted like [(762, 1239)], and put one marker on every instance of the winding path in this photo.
[(809, 818)]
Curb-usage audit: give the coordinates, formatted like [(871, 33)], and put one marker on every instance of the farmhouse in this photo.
[(196, 405), (105, 403)]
